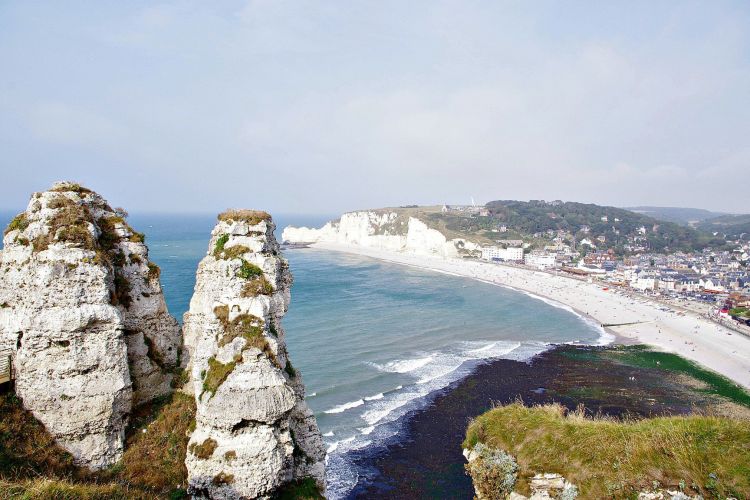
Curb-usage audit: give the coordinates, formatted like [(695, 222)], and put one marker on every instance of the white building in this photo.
[(498, 253), (540, 260)]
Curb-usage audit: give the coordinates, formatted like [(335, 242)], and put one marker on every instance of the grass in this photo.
[(234, 252), (249, 271), (257, 286), (155, 459), (303, 489), (220, 242), (70, 186), (32, 466), (216, 374), (252, 217), (19, 222), (244, 326), (609, 458)]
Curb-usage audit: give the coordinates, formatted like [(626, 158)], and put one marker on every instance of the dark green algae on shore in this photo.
[(425, 460)]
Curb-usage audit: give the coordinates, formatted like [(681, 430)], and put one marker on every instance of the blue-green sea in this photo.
[(373, 340)]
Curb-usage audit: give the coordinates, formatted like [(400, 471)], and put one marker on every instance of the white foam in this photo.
[(375, 397), (403, 365), (312, 395), (346, 406), (366, 430), (328, 434)]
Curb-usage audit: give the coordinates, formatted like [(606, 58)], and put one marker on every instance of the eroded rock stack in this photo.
[(82, 311), (254, 432)]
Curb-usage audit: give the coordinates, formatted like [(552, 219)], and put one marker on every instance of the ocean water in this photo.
[(373, 340)]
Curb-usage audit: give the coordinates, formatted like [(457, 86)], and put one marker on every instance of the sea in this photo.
[(374, 340)]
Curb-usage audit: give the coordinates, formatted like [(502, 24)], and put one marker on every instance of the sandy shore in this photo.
[(686, 334)]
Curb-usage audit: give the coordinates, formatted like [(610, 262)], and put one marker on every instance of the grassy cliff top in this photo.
[(608, 458)]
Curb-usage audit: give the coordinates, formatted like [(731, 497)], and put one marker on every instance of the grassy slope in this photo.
[(32, 466), (607, 458)]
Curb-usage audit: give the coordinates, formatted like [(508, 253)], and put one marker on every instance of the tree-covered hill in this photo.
[(733, 226), (620, 228)]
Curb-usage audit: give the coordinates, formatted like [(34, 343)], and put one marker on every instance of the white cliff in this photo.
[(254, 432), (383, 230), (73, 281)]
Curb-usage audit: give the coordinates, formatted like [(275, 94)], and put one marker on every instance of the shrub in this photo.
[(204, 450), (248, 271), (216, 375), (493, 472), (135, 258), (230, 455), (257, 286), (137, 237), (251, 217)]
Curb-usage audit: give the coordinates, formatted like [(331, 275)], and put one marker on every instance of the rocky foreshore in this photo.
[(425, 460)]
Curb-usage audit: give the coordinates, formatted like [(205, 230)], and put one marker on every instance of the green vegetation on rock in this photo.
[(609, 458)]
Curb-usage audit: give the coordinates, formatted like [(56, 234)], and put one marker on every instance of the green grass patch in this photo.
[(204, 450), (249, 271), (219, 246), (303, 489), (216, 374), (609, 458)]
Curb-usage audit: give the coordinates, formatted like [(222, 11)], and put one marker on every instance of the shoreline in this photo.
[(424, 459), (638, 320)]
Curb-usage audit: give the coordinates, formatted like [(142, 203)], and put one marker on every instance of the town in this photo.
[(713, 283)]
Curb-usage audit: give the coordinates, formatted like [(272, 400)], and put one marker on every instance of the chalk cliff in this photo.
[(254, 432), (384, 230), (82, 312)]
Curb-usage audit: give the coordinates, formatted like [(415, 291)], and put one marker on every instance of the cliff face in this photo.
[(254, 432), (85, 320), (381, 230)]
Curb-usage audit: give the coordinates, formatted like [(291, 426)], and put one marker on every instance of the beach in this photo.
[(627, 319)]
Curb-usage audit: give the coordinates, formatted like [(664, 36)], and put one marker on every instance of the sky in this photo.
[(329, 106)]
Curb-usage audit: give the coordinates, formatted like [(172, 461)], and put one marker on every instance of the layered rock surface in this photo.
[(384, 230), (254, 432), (83, 314)]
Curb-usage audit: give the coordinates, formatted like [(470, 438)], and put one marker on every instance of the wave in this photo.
[(403, 365), (375, 397), (346, 406)]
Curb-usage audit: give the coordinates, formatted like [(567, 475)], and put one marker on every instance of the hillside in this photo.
[(620, 229), (678, 215), (733, 226)]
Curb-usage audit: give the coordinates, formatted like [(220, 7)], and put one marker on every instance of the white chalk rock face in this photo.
[(254, 432), (382, 230), (71, 289)]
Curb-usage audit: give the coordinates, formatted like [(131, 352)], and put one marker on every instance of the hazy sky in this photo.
[(327, 106)]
